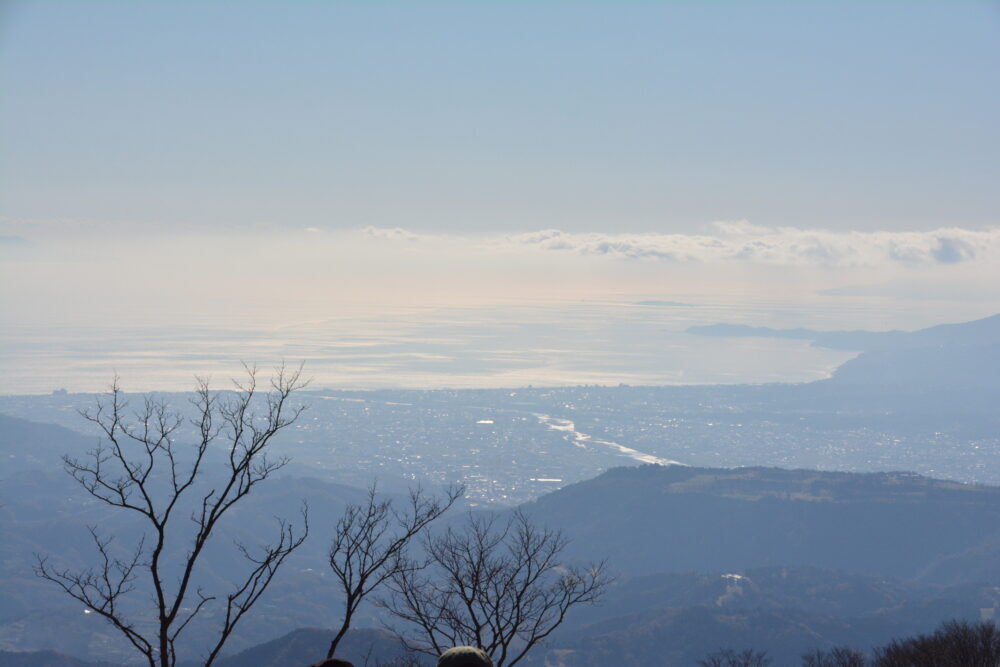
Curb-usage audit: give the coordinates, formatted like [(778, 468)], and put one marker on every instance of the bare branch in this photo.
[(266, 565), (370, 541), (140, 468), (497, 585), (100, 589)]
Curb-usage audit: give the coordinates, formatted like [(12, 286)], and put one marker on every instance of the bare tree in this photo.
[(840, 656), (370, 542), (953, 644), (141, 469), (732, 658), (499, 585)]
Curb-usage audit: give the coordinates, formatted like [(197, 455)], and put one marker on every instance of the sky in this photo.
[(481, 116), (260, 163)]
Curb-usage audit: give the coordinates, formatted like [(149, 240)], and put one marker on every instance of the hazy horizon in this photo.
[(395, 308)]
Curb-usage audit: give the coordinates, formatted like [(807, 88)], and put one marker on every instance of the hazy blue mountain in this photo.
[(44, 659), (826, 592), (948, 373), (966, 368), (822, 559), (26, 444), (838, 340), (295, 649), (681, 636), (677, 618), (978, 332), (308, 645), (661, 519), (985, 331)]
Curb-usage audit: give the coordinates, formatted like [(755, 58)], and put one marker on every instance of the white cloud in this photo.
[(741, 242), (390, 234)]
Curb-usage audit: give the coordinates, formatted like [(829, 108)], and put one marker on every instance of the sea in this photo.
[(640, 341)]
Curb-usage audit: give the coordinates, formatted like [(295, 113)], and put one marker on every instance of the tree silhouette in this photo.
[(732, 658), (140, 469), (954, 644), (370, 541), (499, 585), (840, 656)]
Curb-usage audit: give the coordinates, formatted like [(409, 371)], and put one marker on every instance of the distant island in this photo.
[(979, 332), (836, 340)]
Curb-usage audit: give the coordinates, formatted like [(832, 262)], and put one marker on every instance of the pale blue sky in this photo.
[(644, 117)]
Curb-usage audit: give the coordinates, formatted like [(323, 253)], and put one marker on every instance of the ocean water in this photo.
[(511, 345)]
